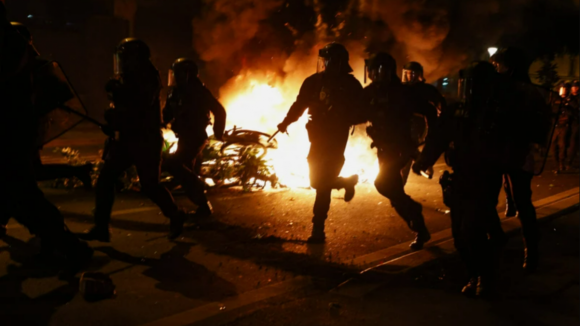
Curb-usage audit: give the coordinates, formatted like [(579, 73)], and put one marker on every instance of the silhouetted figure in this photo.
[(135, 137), (491, 133), (188, 108), (21, 198), (427, 94), (512, 63), (333, 99), (391, 107)]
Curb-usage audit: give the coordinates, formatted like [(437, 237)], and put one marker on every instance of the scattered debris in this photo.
[(96, 286)]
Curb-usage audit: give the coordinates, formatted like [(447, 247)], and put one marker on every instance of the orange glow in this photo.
[(259, 100)]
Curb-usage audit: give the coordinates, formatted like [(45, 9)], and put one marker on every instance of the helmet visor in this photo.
[(465, 89), (117, 64), (179, 77), (410, 76), (321, 64), (171, 82)]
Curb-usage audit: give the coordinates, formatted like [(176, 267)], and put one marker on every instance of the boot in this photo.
[(77, 260), (84, 174), (470, 289), (510, 209), (176, 225), (531, 260), (486, 288), (203, 211), (99, 233), (350, 182), (422, 237), (317, 235)]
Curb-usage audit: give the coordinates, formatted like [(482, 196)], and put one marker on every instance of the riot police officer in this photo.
[(390, 110), (412, 76), (564, 117), (573, 104), (21, 196), (136, 139), (564, 89), (45, 99), (491, 129), (512, 63), (332, 97), (188, 108)]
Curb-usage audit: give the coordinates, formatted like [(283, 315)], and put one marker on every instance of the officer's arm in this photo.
[(302, 101), (219, 115), (437, 141), (168, 114), (358, 104), (426, 109)]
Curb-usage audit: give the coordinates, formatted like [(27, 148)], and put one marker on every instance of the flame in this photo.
[(169, 136), (259, 100)]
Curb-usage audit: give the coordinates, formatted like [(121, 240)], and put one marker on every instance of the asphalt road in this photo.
[(256, 241)]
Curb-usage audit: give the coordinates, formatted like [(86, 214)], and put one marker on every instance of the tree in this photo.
[(547, 74)]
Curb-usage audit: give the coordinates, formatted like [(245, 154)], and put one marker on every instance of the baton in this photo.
[(427, 175), (273, 135), (86, 117)]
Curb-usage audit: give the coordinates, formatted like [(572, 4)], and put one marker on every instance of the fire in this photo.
[(259, 101), (171, 139)]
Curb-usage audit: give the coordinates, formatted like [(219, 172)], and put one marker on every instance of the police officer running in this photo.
[(332, 97), (391, 106), (491, 133), (136, 118), (572, 102), (412, 76), (512, 63), (188, 108), (21, 197)]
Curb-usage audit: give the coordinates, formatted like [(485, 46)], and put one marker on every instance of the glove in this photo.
[(112, 85), (418, 167), (218, 135), (108, 130), (283, 127)]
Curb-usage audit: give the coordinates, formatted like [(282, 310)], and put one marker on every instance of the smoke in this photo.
[(443, 35)]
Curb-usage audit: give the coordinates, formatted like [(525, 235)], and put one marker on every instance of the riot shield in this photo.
[(56, 102)]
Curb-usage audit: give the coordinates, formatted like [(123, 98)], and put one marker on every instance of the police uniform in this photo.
[(188, 108)]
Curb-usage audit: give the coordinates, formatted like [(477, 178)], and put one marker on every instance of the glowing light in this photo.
[(491, 51), (169, 136), (259, 100)]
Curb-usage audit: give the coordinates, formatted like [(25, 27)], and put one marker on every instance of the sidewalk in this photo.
[(430, 295)]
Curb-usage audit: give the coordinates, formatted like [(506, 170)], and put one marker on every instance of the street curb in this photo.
[(213, 309), (441, 245)]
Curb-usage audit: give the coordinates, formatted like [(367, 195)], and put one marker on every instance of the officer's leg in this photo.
[(30, 208), (147, 158), (323, 177), (521, 181), (555, 145), (406, 171), (116, 163), (510, 206), (562, 147), (458, 214), (389, 183), (192, 184), (480, 209), (573, 144)]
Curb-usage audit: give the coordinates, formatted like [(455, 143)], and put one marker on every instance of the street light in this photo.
[(491, 51)]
